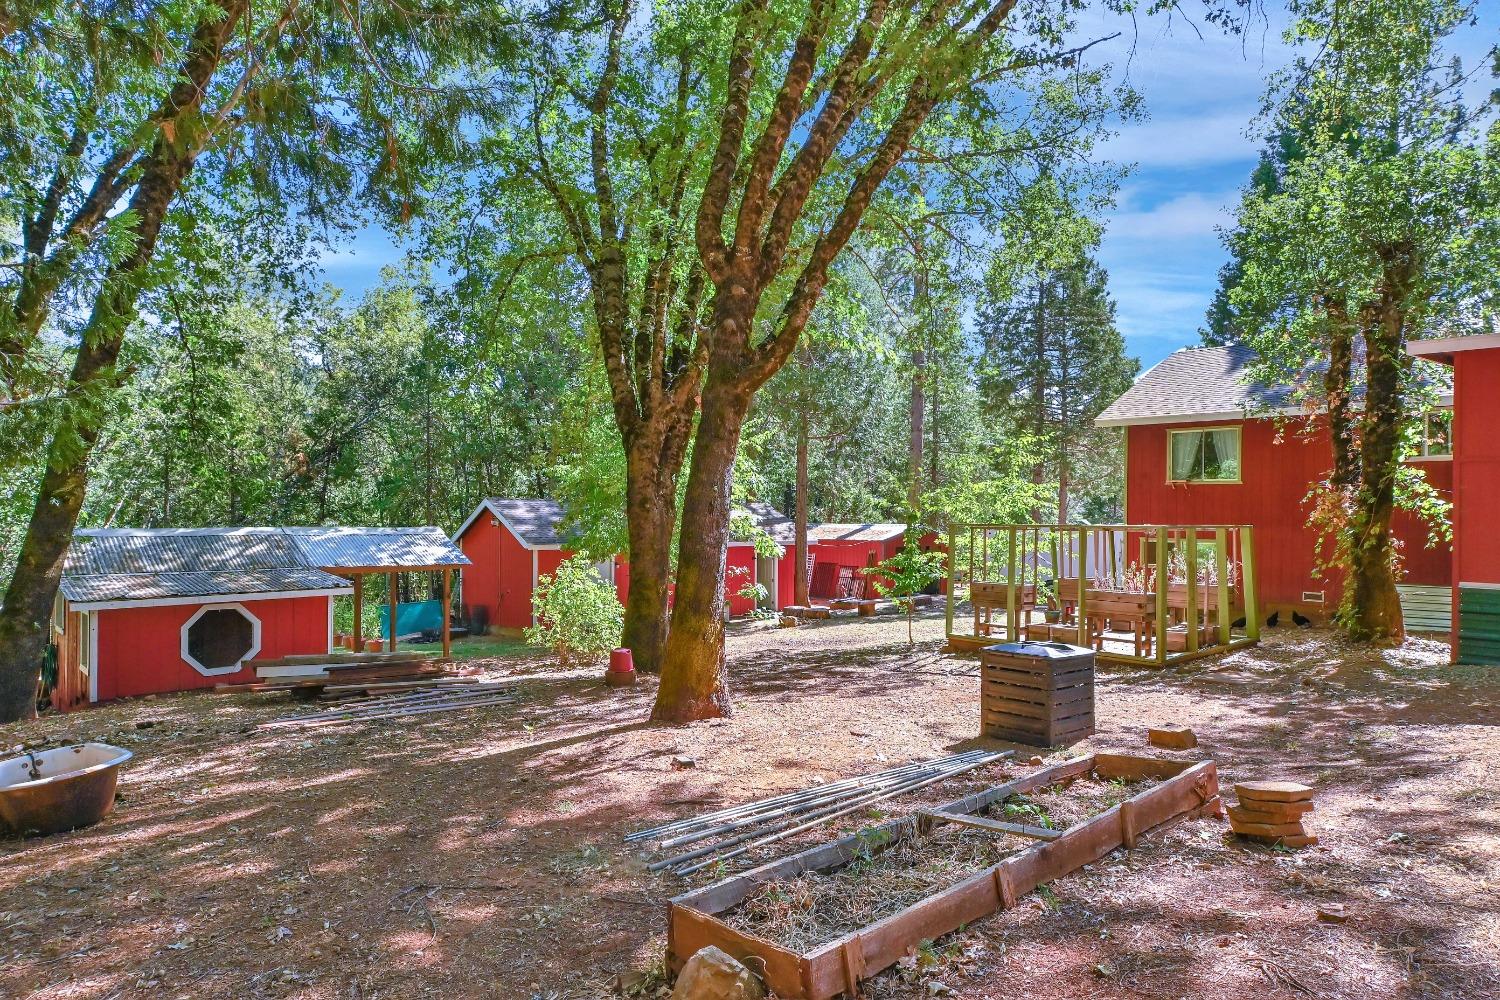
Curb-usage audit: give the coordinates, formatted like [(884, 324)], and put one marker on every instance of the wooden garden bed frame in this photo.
[(1187, 791)]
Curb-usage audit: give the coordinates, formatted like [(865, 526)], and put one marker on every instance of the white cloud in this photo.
[(1177, 141), (1193, 214)]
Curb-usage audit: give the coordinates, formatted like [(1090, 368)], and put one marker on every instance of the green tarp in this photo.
[(419, 616)]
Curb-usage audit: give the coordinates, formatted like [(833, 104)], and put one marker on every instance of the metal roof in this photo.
[(101, 587), (394, 548), (831, 532), (143, 564)]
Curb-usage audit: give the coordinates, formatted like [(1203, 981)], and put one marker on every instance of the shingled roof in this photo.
[(1197, 383), (539, 523)]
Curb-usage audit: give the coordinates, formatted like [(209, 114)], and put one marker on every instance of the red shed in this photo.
[(512, 543), (147, 611), (1476, 491), (1204, 445)]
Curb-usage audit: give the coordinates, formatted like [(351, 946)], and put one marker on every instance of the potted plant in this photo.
[(1046, 592)]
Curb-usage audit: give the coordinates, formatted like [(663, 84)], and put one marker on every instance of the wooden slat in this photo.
[(996, 825)]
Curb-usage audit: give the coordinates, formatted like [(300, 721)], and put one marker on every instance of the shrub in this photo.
[(905, 575), (577, 614)]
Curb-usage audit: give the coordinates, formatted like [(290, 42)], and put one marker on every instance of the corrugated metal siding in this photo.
[(85, 589), (1426, 609), (1478, 625), (335, 548), (169, 551)]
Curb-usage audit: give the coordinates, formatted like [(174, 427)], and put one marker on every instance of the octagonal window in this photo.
[(219, 638)]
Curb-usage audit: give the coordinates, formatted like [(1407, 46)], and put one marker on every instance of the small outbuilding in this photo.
[(512, 543), (148, 611), (840, 553)]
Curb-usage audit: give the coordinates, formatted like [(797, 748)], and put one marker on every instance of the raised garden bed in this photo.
[(913, 862)]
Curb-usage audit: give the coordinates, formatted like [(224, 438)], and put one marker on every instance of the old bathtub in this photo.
[(59, 789)]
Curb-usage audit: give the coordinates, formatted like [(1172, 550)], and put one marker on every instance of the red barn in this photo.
[(147, 611), (512, 543), (1203, 445), (1475, 480)]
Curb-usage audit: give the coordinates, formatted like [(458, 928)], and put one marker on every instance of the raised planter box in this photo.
[(1186, 791)]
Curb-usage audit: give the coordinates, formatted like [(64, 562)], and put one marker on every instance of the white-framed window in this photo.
[(59, 613), (219, 638), (1204, 455), (1437, 435)]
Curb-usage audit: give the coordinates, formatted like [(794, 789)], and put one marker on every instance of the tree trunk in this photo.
[(694, 684), (800, 588), (1336, 384), (918, 429), (651, 469), (1372, 608), (27, 608)]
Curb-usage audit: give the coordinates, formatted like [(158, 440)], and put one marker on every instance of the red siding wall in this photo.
[(1279, 470), (140, 649), (515, 581), (739, 558), (481, 581), (1476, 466)]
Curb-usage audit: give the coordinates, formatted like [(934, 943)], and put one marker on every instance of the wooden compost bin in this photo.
[(1037, 693), (1187, 791)]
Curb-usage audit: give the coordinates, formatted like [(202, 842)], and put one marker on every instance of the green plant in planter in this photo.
[(905, 575), (577, 613)]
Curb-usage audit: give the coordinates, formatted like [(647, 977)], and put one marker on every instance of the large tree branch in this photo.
[(726, 160), (772, 141)]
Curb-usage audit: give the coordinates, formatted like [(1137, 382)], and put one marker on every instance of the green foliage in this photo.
[(578, 614), (906, 574)]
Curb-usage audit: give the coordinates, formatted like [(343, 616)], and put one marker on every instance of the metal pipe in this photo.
[(802, 793), (775, 832), (761, 816)]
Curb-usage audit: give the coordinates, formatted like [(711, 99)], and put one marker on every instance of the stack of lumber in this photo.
[(1272, 811), (348, 668)]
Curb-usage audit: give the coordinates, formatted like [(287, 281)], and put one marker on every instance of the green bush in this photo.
[(577, 614)]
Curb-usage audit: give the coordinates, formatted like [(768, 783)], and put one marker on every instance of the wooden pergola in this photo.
[(358, 574), (356, 553)]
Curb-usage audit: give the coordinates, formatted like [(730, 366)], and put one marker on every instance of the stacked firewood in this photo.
[(1272, 811)]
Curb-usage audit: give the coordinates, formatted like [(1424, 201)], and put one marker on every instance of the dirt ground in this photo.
[(480, 854)]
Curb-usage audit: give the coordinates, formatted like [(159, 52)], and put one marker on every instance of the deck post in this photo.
[(1247, 574), (1161, 595), (1221, 567), (952, 588), (1011, 632), (1190, 558), (391, 599), (359, 612), (447, 612), (1083, 587)]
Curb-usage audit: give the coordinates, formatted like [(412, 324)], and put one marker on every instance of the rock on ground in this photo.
[(712, 974)]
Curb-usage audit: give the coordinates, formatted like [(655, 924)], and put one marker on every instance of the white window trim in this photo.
[(237, 665)]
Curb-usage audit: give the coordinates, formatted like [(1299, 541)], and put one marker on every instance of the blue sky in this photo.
[(1191, 155)]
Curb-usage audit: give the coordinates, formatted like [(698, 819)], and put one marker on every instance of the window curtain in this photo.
[(1186, 449), (1226, 448)]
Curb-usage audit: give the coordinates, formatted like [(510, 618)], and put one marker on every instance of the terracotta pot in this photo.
[(372, 645)]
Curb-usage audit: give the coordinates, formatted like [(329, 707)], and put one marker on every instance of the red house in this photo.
[(1203, 445), (1475, 482), (142, 611), (512, 543)]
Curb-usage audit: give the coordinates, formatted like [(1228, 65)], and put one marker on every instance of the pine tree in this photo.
[(1052, 360)]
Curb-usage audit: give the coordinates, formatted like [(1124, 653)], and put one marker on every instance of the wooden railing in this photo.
[(1022, 581)]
